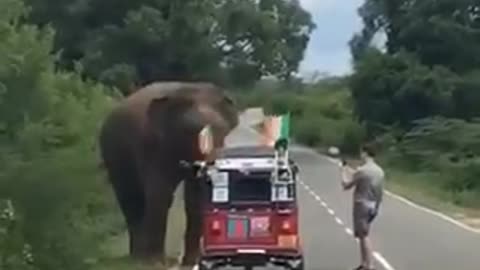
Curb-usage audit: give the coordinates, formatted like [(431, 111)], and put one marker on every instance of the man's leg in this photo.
[(366, 252), (361, 228)]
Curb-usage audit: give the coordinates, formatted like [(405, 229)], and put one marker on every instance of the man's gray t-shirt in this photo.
[(369, 180)]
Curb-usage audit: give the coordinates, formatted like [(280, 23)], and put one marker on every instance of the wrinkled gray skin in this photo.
[(142, 142)]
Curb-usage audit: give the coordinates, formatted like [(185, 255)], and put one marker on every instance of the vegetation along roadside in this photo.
[(64, 64), (441, 179)]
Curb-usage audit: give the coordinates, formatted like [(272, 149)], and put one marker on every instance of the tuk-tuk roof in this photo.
[(248, 158)]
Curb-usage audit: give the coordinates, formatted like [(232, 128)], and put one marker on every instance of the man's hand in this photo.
[(347, 177), (348, 171)]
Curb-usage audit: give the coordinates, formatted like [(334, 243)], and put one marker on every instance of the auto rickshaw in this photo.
[(251, 211)]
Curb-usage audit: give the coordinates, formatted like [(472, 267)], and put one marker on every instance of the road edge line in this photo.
[(412, 204), (376, 254), (438, 214)]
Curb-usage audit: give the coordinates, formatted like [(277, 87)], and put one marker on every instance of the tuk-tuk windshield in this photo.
[(249, 189)]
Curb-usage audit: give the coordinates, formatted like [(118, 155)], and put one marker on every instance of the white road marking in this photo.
[(339, 221), (421, 208), (377, 255), (382, 261)]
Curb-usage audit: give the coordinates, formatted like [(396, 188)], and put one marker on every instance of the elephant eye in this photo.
[(229, 100)]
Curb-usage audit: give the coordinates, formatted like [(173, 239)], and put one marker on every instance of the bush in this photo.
[(448, 147), (48, 166), (354, 135), (60, 200), (305, 131), (320, 131), (320, 117), (15, 253)]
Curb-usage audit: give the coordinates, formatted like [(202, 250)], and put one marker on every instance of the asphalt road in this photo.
[(404, 236)]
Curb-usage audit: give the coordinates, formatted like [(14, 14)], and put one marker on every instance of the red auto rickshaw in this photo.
[(251, 211)]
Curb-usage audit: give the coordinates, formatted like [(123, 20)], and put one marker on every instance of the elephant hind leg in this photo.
[(130, 197), (193, 196)]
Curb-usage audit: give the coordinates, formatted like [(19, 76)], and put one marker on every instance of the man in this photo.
[(367, 197)]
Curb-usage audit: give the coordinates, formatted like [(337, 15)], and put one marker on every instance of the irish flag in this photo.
[(275, 128)]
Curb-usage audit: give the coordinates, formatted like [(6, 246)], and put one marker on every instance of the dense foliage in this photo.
[(430, 64), (55, 209), (129, 43), (418, 98), (321, 112), (421, 95)]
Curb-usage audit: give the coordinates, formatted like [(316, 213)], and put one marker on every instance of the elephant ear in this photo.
[(163, 113)]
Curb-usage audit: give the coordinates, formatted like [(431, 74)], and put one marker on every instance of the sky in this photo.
[(337, 21)]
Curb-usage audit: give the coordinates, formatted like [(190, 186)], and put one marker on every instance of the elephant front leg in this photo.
[(193, 190)]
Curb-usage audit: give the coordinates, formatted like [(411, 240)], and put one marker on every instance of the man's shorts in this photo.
[(363, 215)]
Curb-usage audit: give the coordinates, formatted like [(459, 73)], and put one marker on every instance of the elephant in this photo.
[(143, 142)]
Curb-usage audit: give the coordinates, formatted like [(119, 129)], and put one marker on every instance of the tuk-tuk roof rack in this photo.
[(255, 157)]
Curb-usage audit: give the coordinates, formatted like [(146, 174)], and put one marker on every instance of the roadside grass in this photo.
[(423, 189), (116, 250)]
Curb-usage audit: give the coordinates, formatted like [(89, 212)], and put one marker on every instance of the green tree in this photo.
[(422, 93), (429, 68), (440, 32), (233, 42), (397, 89)]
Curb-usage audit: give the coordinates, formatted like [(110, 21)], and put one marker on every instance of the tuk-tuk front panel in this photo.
[(267, 229)]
